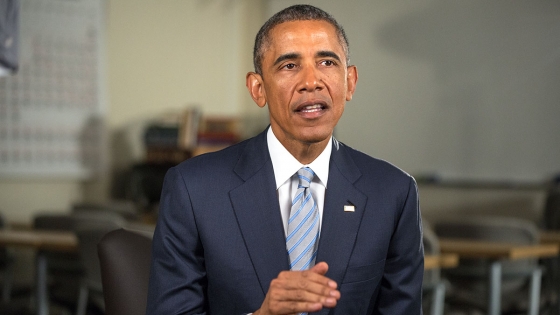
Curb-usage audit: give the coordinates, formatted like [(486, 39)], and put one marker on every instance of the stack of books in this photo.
[(185, 134), (172, 138), (217, 132)]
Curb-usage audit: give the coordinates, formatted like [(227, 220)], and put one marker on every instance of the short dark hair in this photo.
[(299, 12)]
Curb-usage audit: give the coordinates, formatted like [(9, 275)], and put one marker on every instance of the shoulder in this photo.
[(375, 171)]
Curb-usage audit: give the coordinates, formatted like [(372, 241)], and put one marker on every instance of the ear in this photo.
[(255, 86), (351, 81)]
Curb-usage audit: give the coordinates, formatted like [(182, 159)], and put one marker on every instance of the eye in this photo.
[(328, 63), (290, 66)]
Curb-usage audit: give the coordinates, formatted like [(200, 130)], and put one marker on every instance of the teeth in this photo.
[(311, 108)]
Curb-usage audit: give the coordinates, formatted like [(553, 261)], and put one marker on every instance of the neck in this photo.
[(305, 153)]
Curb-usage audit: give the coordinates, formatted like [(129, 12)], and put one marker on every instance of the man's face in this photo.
[(305, 82)]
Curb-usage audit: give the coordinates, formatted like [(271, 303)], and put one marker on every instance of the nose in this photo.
[(311, 79)]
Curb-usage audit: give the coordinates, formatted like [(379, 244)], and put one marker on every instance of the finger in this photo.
[(320, 268), (301, 278), (278, 307), (294, 292), (291, 307), (326, 297), (281, 301), (304, 281), (296, 286)]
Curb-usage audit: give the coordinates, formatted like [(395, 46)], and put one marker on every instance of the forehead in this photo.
[(296, 36)]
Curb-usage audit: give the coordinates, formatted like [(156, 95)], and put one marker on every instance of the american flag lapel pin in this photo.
[(349, 208)]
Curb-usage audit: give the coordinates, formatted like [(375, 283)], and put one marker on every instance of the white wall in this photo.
[(19, 199), (167, 54)]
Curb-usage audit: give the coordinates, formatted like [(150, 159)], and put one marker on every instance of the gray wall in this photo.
[(460, 89)]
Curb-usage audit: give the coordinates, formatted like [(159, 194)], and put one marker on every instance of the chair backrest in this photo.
[(126, 209), (90, 229), (125, 259), (53, 221), (68, 263), (490, 228)]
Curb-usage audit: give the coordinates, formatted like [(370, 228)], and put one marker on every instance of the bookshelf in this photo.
[(189, 134)]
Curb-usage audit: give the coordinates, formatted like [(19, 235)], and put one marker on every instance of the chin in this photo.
[(315, 136)]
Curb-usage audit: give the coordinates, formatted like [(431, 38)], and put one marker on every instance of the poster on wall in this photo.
[(51, 110)]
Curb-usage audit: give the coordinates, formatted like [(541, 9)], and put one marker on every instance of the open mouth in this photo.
[(311, 108)]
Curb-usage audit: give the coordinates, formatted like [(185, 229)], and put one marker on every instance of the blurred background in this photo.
[(104, 96), (448, 90)]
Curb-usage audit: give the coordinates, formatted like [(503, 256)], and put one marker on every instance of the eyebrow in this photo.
[(287, 56), (328, 53), (321, 53)]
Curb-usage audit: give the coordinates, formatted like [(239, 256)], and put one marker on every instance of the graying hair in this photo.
[(299, 12)]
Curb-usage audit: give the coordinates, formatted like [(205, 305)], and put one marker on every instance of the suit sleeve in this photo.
[(178, 278), (401, 285)]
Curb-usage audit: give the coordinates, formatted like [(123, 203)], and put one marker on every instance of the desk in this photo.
[(497, 251), (40, 240), (441, 261)]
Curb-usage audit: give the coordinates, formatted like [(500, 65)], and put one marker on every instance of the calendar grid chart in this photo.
[(52, 111)]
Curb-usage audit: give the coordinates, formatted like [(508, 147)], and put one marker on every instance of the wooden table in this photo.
[(498, 252), (46, 240), (40, 240), (440, 261)]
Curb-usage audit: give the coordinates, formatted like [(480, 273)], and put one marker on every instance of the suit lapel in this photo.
[(256, 207), (340, 228)]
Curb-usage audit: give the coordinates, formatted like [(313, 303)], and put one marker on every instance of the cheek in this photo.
[(284, 98), (337, 84), (280, 90), (339, 111)]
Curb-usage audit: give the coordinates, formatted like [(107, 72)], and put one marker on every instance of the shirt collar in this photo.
[(285, 164)]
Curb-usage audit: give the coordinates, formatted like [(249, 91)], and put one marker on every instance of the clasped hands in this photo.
[(294, 292)]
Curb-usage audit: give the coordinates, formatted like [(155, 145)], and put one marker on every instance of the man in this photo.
[(224, 242)]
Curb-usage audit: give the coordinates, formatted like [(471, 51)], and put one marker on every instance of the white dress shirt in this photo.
[(285, 168)]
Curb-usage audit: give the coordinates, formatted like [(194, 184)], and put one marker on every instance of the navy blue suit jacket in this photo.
[(219, 239)]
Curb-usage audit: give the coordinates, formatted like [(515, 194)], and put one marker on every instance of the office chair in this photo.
[(125, 259), (469, 281), (90, 227)]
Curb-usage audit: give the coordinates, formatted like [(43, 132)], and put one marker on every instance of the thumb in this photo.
[(320, 268)]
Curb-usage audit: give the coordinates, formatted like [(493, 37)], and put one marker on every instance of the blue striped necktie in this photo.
[(303, 224)]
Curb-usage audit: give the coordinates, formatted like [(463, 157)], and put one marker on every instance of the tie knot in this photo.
[(305, 175)]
